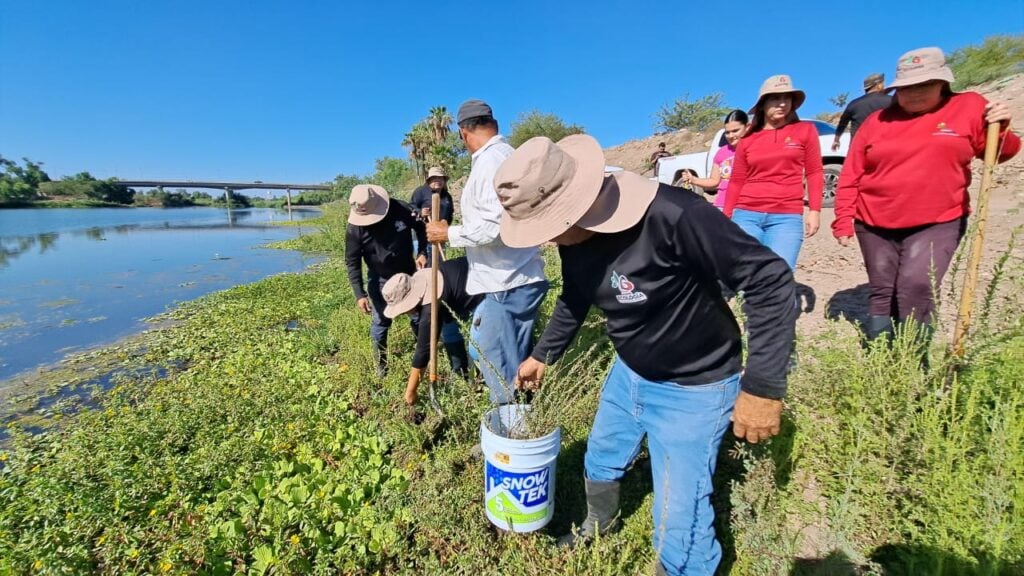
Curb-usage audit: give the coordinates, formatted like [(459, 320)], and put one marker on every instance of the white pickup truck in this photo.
[(670, 168)]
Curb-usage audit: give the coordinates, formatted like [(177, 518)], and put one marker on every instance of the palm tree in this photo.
[(439, 121)]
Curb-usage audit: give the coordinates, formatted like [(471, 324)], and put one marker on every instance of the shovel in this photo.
[(963, 319)]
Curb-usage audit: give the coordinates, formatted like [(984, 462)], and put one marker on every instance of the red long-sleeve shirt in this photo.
[(908, 170), (769, 170)]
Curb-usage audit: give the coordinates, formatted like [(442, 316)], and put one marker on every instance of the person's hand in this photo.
[(835, 145), (998, 112), (812, 223), (530, 373), (437, 231), (845, 241), (755, 418), (412, 385), (425, 213), (364, 304), (421, 261)]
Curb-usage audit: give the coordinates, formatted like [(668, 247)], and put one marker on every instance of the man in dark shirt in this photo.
[(658, 155), (380, 233), (437, 181), (859, 109), (651, 258), (411, 294)]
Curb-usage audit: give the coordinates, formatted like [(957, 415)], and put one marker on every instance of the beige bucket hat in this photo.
[(545, 188), (436, 172), (920, 66), (368, 204), (778, 84), (623, 201), (404, 293)]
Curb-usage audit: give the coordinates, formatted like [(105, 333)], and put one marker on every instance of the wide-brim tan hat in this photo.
[(623, 201), (404, 293), (436, 173), (545, 188), (920, 66), (368, 204), (778, 84)]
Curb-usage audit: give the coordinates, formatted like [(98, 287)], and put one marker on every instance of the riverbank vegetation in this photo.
[(266, 445)]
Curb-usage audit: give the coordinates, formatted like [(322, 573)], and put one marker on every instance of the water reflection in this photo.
[(12, 247), (88, 276)]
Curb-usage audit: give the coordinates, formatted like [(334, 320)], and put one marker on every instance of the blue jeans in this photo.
[(379, 323), (684, 427), (782, 233), (501, 336)]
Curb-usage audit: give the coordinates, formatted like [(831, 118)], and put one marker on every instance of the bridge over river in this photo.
[(227, 187)]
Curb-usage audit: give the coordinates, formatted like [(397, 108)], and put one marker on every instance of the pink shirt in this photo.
[(723, 159)]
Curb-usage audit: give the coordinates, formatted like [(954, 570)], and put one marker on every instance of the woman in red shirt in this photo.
[(903, 189), (766, 191)]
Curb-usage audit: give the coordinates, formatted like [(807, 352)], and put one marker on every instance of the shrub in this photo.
[(536, 123), (995, 58), (696, 115)]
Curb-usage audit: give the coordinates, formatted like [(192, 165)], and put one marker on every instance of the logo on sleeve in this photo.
[(626, 289)]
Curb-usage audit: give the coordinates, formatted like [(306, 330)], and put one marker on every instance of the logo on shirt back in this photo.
[(626, 294)]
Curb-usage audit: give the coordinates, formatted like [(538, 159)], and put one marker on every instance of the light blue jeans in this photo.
[(684, 427), (782, 233), (501, 336)]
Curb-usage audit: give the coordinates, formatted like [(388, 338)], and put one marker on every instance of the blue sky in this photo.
[(301, 91)]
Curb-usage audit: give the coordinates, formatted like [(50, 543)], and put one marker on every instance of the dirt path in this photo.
[(837, 277)]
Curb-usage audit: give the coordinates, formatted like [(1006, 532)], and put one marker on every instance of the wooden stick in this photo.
[(963, 319), (435, 209)]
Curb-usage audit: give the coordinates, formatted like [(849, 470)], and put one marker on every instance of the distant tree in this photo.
[(697, 115), (84, 185), (19, 185), (537, 123), (840, 100), (995, 58), (394, 174), (432, 142)]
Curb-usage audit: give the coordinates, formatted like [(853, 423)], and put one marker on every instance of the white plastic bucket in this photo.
[(519, 475)]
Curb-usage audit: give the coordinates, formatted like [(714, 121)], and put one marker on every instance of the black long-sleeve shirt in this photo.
[(657, 284), (454, 296), (858, 110), (385, 246), (423, 196)]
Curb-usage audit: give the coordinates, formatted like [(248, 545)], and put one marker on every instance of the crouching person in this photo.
[(411, 294), (651, 257)]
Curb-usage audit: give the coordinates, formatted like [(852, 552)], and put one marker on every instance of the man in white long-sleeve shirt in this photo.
[(511, 278)]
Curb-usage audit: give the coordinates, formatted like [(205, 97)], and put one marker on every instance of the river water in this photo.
[(71, 279)]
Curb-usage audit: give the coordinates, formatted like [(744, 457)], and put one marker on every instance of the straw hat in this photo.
[(778, 84), (920, 66), (369, 204), (404, 293), (546, 188), (436, 172)]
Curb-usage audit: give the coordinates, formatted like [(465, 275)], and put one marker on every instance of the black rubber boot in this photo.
[(877, 326), (458, 358), (602, 513)]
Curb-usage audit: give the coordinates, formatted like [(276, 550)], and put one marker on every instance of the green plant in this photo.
[(996, 57), (536, 123), (698, 115)]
